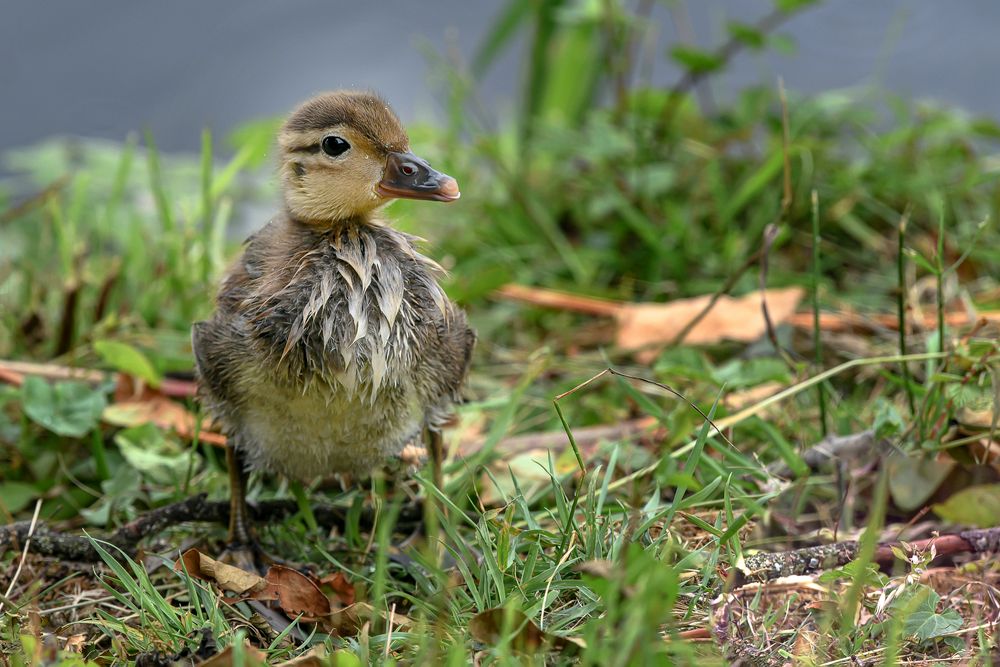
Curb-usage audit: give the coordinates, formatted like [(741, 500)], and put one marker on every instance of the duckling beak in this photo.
[(410, 177)]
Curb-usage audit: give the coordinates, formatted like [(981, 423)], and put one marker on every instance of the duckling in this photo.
[(333, 345)]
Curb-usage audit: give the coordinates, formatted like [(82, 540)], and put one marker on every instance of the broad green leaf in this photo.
[(926, 624), (70, 409), (15, 496), (128, 360), (150, 452), (695, 60), (913, 480), (888, 421), (747, 34), (975, 506)]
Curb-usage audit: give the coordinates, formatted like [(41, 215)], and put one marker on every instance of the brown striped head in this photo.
[(345, 153)]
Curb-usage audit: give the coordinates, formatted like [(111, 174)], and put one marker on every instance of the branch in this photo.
[(49, 542), (768, 566)]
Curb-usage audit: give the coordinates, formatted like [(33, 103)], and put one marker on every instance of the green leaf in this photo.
[(128, 360), (504, 27), (150, 452), (70, 409), (793, 5), (888, 421), (741, 373), (976, 506), (747, 34), (695, 60), (15, 496), (912, 479), (926, 624)]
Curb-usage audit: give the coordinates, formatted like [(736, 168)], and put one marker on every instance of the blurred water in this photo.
[(105, 67)]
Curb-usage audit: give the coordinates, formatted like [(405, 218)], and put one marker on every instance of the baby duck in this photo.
[(333, 345)]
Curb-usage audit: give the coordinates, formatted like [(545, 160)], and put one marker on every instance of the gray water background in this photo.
[(103, 68)]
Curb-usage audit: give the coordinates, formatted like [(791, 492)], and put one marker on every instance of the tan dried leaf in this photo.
[(229, 578), (731, 318)]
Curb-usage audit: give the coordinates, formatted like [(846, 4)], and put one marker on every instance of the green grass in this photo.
[(626, 543)]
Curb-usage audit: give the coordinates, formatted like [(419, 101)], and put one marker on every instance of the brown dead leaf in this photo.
[(232, 579), (486, 627), (348, 621), (642, 325), (340, 587), (252, 657), (737, 319), (163, 412), (297, 593), (685, 309)]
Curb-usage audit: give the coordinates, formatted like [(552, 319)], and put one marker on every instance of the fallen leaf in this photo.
[(731, 318), (913, 480), (340, 586), (643, 325), (829, 321), (228, 578), (225, 658), (977, 505), (347, 622), (159, 410), (486, 627), (297, 593)]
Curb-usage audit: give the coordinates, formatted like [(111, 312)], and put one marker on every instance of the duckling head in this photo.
[(345, 154)]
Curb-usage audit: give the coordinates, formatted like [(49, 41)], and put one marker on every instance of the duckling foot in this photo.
[(248, 556)]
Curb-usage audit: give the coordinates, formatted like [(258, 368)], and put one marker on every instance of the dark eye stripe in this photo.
[(314, 148)]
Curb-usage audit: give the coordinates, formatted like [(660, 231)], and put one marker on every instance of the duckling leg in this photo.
[(240, 526), (242, 549), (435, 447)]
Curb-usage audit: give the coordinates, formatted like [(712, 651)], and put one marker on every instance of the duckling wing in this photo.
[(446, 363)]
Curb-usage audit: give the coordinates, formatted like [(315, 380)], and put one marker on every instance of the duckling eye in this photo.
[(334, 146)]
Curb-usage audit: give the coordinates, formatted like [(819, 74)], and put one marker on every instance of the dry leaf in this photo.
[(251, 658), (341, 587), (161, 411), (297, 593), (347, 622), (836, 321), (738, 319), (485, 627), (232, 579)]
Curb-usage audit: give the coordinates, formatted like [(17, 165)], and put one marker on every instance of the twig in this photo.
[(725, 289), (722, 55), (24, 553), (34, 200), (770, 234), (49, 542), (829, 321), (172, 387), (768, 566)]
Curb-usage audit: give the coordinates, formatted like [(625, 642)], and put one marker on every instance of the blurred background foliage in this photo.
[(601, 184)]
